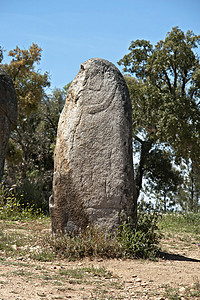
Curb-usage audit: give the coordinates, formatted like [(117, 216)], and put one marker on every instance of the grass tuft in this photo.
[(13, 208), (181, 222), (126, 242)]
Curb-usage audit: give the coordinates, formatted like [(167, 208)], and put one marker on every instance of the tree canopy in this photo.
[(164, 84), (29, 83), (30, 150)]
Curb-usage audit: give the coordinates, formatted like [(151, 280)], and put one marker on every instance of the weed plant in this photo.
[(126, 242), (89, 243), (141, 241), (12, 208)]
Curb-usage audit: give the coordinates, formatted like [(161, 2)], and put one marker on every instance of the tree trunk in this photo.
[(145, 148)]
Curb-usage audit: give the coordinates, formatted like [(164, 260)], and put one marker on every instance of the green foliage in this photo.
[(29, 83), (43, 255), (29, 162), (167, 105), (189, 293), (5, 243), (164, 86), (142, 241), (189, 191), (162, 178), (13, 208)]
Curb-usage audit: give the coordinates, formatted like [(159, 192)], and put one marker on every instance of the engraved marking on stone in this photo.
[(96, 108)]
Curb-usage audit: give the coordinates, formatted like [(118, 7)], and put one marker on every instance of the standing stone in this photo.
[(8, 114), (93, 168)]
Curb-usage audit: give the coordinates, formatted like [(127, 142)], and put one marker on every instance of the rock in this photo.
[(138, 280), (14, 247), (93, 169), (144, 284), (100, 259), (182, 290), (8, 114)]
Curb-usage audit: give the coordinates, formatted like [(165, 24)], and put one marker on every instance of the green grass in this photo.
[(140, 242), (13, 208), (180, 223), (182, 229), (190, 292), (26, 239), (127, 242), (80, 273), (10, 242)]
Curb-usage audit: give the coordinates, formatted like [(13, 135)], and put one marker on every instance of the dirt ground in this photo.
[(176, 275)]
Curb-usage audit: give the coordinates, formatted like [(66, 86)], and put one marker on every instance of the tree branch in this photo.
[(168, 81)]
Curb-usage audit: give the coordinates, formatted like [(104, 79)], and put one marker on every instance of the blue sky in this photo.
[(70, 32)]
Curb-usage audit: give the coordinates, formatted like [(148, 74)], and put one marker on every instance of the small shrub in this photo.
[(143, 240), (90, 243), (126, 242)]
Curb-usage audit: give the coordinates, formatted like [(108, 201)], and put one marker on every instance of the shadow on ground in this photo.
[(178, 257)]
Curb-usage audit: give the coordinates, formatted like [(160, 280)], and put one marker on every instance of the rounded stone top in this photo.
[(97, 81), (95, 66), (98, 62)]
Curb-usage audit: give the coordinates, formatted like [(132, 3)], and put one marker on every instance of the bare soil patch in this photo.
[(176, 275)]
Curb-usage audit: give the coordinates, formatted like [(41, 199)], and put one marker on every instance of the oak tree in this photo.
[(164, 84)]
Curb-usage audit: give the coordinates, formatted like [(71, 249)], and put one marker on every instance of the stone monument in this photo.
[(8, 114), (93, 168)]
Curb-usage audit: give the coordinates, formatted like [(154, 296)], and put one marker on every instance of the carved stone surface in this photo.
[(93, 169), (8, 114)]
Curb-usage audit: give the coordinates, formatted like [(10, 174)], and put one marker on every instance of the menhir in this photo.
[(8, 114), (93, 175)]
